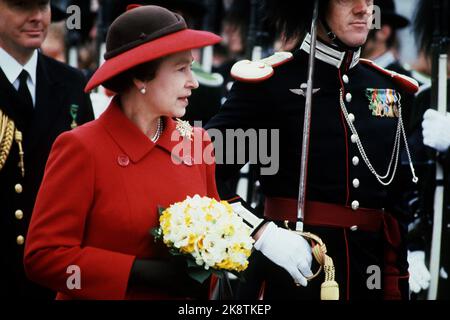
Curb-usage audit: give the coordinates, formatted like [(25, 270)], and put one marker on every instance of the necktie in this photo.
[(27, 109)]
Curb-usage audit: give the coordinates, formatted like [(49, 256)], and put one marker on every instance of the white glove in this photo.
[(436, 130), (288, 250), (419, 276)]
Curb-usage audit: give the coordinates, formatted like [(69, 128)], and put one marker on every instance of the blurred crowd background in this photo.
[(239, 22)]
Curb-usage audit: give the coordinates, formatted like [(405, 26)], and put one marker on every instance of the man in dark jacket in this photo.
[(355, 138), (39, 99)]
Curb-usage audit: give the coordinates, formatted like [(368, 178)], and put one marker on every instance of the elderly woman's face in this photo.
[(167, 94), (350, 20)]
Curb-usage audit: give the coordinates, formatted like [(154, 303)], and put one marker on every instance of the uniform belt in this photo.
[(324, 214), (371, 220)]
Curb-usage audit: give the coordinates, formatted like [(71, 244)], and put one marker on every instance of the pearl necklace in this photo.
[(382, 179), (158, 131)]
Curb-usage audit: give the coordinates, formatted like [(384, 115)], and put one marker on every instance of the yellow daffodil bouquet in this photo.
[(208, 233)]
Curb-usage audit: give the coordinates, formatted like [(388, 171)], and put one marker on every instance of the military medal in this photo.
[(383, 102)]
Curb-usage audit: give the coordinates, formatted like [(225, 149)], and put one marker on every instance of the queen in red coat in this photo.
[(89, 235)]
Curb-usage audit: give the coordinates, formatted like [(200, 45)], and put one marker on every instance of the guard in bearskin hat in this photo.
[(431, 128)]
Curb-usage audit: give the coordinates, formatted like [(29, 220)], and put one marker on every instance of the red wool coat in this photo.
[(98, 200)]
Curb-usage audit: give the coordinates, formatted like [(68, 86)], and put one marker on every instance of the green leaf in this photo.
[(175, 252), (156, 233), (161, 210), (191, 263), (199, 274)]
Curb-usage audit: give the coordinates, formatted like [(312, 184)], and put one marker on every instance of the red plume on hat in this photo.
[(142, 34)]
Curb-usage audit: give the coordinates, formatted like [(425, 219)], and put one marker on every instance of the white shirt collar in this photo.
[(328, 54), (385, 59), (12, 69)]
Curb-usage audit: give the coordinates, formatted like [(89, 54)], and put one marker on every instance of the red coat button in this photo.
[(123, 160)]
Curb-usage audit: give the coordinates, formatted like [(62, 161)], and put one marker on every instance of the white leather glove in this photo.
[(288, 250), (419, 276), (436, 130)]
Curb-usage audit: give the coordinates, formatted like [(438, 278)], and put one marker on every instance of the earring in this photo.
[(143, 90)]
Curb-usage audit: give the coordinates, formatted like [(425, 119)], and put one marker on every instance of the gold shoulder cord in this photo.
[(329, 288), (8, 132)]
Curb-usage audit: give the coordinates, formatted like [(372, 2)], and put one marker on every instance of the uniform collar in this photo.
[(329, 54), (385, 59), (130, 139), (12, 68)]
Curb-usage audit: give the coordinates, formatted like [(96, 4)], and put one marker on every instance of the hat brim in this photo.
[(57, 13), (175, 42), (395, 20)]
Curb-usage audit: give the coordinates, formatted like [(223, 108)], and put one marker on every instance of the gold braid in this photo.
[(329, 290), (8, 132)]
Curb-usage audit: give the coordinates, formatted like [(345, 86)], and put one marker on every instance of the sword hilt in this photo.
[(329, 288)]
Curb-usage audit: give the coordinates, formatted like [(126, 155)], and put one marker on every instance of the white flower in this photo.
[(209, 231)]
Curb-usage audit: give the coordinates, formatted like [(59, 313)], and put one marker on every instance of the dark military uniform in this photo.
[(339, 182), (421, 234), (60, 102)]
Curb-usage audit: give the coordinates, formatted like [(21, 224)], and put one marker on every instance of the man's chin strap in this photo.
[(334, 38)]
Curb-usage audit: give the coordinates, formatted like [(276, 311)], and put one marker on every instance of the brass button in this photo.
[(345, 78), (355, 205), (355, 183), (19, 214), (355, 161), (354, 138), (354, 228), (18, 187), (351, 117), (20, 240), (348, 97)]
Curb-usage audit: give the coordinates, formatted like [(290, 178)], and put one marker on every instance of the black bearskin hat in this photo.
[(292, 18), (427, 19)]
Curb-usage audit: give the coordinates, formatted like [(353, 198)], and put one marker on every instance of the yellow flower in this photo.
[(187, 219), (189, 248), (208, 231), (229, 230), (200, 243), (165, 221)]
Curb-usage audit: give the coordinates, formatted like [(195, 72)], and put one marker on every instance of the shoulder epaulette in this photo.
[(257, 71), (404, 82)]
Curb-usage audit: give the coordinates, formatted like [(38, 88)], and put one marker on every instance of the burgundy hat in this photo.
[(142, 34)]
